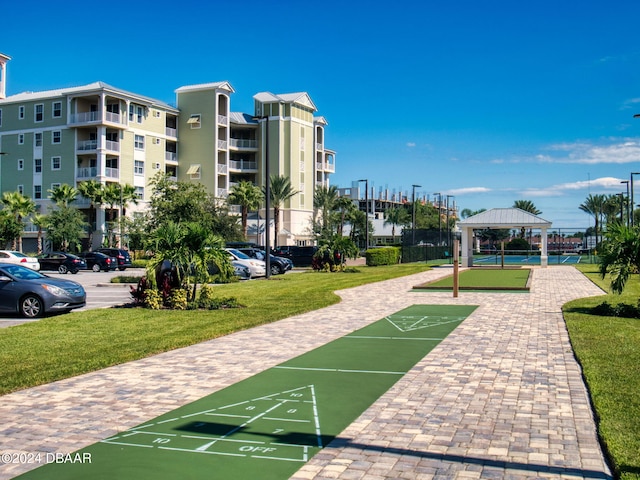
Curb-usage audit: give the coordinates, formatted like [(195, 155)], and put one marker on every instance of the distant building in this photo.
[(99, 132)]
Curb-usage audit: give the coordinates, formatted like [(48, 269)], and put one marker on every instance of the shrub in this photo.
[(153, 299), (383, 256), (519, 244), (177, 299)]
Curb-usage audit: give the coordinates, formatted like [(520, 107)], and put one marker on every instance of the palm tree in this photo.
[(93, 191), (594, 206), (40, 222), (527, 206), (396, 216), (116, 194), (281, 190), (64, 194), (467, 212), (344, 207), (249, 197), (324, 202), (620, 254), (19, 207)]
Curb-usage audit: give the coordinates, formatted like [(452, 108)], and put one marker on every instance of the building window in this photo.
[(136, 112), (138, 168), (194, 120), (37, 165), (139, 193), (21, 112), (139, 142), (56, 136), (20, 164), (194, 172), (38, 112), (57, 109), (55, 163), (20, 189), (21, 139), (37, 139), (37, 191), (55, 186)]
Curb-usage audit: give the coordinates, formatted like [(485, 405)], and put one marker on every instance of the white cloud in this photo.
[(619, 151), (467, 191), (411, 144), (564, 188)]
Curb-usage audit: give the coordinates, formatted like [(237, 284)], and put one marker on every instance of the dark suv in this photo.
[(278, 265), (124, 259), (301, 256)]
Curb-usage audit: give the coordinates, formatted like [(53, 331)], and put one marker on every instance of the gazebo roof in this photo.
[(504, 218)]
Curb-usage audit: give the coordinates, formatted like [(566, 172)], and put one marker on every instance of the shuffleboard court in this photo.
[(269, 425)]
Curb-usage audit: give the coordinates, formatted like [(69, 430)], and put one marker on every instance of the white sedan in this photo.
[(257, 267), (19, 258)]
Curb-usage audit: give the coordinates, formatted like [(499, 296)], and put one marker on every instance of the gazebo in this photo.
[(498, 218)]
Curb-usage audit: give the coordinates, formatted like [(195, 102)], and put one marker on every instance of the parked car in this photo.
[(123, 256), (257, 267), (301, 256), (61, 262), (240, 270), (19, 258), (97, 261), (278, 265), (32, 294)]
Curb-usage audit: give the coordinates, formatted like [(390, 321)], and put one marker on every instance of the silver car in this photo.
[(32, 294)]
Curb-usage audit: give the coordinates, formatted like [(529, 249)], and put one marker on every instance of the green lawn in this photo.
[(67, 345), (608, 349), (485, 279)]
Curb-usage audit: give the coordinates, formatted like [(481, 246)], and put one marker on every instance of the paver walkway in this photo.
[(500, 397)]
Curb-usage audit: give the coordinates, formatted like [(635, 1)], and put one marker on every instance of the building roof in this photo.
[(85, 89), (242, 118), (504, 218), (224, 85), (301, 98)]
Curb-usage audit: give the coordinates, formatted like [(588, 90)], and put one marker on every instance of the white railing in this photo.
[(87, 172), (222, 168), (243, 165), (112, 117), (171, 156), (222, 120), (325, 167), (171, 132), (241, 143), (84, 145), (319, 146), (112, 146), (302, 165), (222, 193), (302, 146), (112, 172), (222, 144), (85, 117)]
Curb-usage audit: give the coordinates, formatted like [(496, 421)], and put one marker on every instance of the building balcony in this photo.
[(326, 167), (171, 132), (319, 146), (223, 120), (112, 172), (86, 172), (82, 118), (240, 143), (222, 192), (222, 144), (222, 169), (171, 156), (243, 165), (87, 145)]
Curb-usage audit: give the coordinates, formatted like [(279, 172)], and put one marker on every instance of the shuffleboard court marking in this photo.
[(261, 408), (408, 323)]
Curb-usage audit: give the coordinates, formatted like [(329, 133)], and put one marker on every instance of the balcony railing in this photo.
[(222, 192), (85, 117), (241, 143), (87, 172), (222, 120), (222, 169), (243, 165), (319, 146), (112, 117), (112, 172), (170, 156), (84, 145), (171, 132), (112, 146), (325, 166), (222, 144)]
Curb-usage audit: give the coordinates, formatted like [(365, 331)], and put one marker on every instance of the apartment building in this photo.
[(99, 132)]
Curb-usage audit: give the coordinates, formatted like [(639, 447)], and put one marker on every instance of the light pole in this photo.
[(413, 222), (632, 204), (448, 229), (267, 199), (439, 218), (366, 213), (627, 202)]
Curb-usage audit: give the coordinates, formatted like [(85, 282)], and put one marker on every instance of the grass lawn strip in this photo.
[(269, 425), (508, 279)]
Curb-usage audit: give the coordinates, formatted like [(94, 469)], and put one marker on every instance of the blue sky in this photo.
[(491, 101)]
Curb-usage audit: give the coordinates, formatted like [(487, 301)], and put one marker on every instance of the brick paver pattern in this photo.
[(501, 397)]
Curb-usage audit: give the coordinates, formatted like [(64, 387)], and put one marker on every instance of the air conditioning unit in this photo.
[(156, 166)]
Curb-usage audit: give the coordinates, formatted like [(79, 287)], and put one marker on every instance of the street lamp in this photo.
[(267, 194), (627, 202), (366, 213), (413, 206), (439, 218), (632, 202)]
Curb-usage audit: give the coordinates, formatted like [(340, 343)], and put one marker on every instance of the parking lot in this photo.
[(100, 292)]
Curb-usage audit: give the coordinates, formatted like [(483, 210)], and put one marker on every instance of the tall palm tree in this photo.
[(40, 222), (116, 194), (19, 207), (396, 216), (281, 190), (324, 202), (527, 206), (93, 191), (63, 195), (594, 206), (620, 254), (249, 197), (344, 206)]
